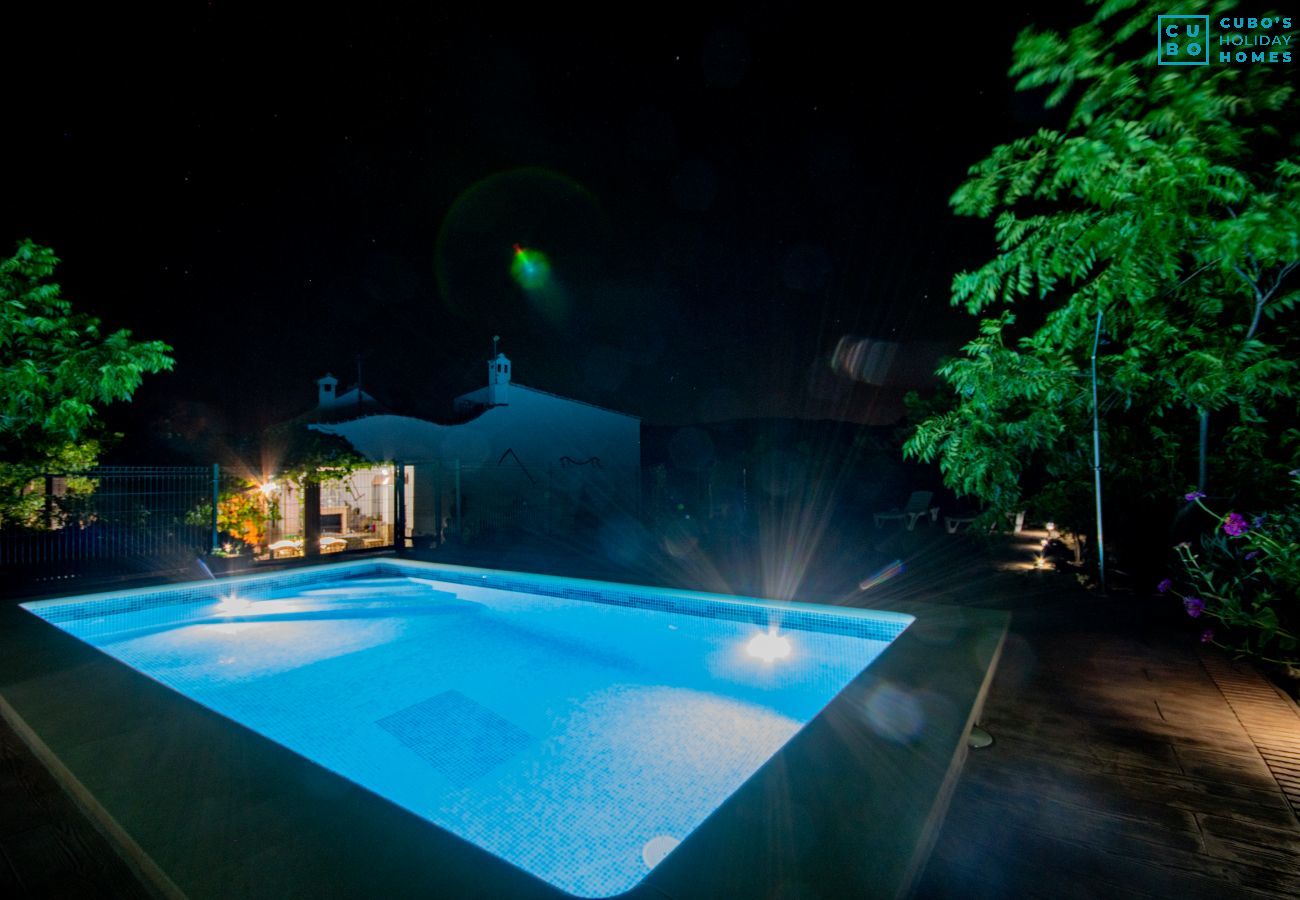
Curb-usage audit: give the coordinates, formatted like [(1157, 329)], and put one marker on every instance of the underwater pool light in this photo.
[(232, 605), (768, 646)]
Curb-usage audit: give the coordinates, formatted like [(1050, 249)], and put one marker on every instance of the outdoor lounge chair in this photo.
[(954, 521), (918, 505)]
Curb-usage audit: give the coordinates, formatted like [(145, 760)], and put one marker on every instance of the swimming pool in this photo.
[(577, 730)]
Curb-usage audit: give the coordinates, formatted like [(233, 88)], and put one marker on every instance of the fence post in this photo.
[(439, 535), (311, 516), (399, 505), (49, 502), (216, 492)]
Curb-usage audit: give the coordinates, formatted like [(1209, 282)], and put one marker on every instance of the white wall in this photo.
[(542, 430)]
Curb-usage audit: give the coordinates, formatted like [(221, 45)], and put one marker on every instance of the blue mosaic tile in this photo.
[(462, 739), (190, 601), (574, 741), (879, 629)]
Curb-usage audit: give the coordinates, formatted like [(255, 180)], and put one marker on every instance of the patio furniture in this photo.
[(283, 549), (332, 544), (286, 548), (953, 523), (917, 506)]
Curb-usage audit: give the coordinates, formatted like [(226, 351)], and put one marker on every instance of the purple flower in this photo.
[(1193, 605), (1164, 585), (1193, 496), (1252, 554), (1234, 524), (1207, 635)]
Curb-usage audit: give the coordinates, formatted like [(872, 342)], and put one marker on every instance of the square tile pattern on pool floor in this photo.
[(461, 738)]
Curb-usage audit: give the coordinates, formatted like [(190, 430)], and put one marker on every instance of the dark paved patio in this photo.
[(47, 847), (1127, 762), (1120, 769)]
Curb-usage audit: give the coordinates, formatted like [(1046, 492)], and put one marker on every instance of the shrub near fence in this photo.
[(107, 513)]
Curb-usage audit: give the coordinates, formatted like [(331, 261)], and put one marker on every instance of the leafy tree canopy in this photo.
[(57, 367), (1169, 201), (310, 457)]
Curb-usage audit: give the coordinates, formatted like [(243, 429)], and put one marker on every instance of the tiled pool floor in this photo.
[(1119, 769)]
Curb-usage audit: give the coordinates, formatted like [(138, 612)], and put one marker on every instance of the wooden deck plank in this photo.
[(1118, 762)]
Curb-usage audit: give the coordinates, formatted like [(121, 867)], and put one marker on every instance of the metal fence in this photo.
[(108, 513), (145, 516)]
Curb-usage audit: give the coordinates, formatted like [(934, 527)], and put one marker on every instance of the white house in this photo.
[(515, 456), (357, 512)]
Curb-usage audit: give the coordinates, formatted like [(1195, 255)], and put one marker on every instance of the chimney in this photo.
[(498, 393), (326, 388)]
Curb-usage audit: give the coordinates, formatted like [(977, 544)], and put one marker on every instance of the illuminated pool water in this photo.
[(577, 730)]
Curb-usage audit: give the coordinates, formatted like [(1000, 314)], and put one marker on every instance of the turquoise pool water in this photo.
[(575, 729)]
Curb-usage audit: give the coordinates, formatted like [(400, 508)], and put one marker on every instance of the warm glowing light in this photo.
[(1051, 526), (269, 488), (1039, 562), (768, 646)]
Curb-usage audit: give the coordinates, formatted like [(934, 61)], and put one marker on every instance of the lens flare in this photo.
[(888, 572), (863, 359), (894, 713), (530, 269)]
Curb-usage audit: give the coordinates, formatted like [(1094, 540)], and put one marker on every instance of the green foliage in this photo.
[(244, 512), (22, 489), (1169, 201), (1247, 577), (309, 457), (57, 367)]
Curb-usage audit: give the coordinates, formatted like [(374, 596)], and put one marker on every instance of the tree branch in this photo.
[(1259, 301), (1262, 297)]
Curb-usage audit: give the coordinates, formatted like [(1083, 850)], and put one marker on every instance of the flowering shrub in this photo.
[(243, 513), (1246, 577)]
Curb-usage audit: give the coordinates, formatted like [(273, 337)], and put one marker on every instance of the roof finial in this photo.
[(495, 339)]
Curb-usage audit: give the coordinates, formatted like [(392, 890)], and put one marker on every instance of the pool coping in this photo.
[(203, 806)]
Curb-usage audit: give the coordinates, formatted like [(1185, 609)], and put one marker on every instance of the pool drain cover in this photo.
[(459, 737), (657, 848)]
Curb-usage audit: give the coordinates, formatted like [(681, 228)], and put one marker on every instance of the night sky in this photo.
[(722, 197)]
